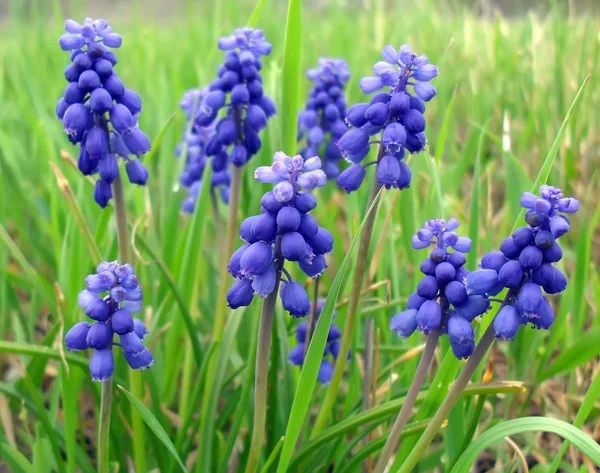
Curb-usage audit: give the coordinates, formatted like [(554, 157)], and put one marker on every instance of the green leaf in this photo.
[(580, 439), (16, 461), (591, 396), (310, 368), (159, 137), (41, 350), (291, 76), (255, 16), (154, 425), (272, 456)]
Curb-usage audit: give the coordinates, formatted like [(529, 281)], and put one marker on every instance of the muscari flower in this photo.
[(96, 109), (441, 300), (296, 356), (396, 114), (238, 91), (195, 157), (111, 297), (322, 123), (525, 264), (284, 230)]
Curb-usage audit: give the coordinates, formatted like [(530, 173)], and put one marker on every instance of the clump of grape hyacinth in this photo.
[(396, 113), (96, 109), (111, 297), (441, 300), (196, 159), (238, 90), (321, 123), (284, 230), (525, 264), (332, 348)]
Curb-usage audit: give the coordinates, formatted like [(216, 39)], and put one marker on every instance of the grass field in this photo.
[(504, 89)]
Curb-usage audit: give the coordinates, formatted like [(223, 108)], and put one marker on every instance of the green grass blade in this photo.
[(256, 13), (527, 424), (154, 425), (272, 456), (310, 368), (291, 76), (16, 461), (159, 138)]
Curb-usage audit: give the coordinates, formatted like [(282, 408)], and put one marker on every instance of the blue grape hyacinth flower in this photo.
[(332, 348), (96, 109), (111, 297), (322, 123), (194, 141), (525, 264), (238, 92), (397, 114), (441, 300), (284, 231)]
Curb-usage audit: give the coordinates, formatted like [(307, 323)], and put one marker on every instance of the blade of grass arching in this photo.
[(154, 425), (384, 411), (65, 188), (40, 350), (580, 439), (474, 208), (549, 161), (16, 461), (591, 396), (290, 89), (159, 138), (308, 376), (34, 393)]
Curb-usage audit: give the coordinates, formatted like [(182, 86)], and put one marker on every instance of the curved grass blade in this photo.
[(308, 376), (154, 425), (255, 16), (41, 350), (15, 460), (580, 439), (159, 137)]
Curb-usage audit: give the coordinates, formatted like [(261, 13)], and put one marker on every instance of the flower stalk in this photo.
[(261, 376)]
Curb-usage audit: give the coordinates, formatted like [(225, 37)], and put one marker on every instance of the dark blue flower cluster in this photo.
[(397, 114), (95, 98), (239, 90), (332, 347), (525, 264), (113, 315), (195, 138), (321, 123), (284, 230), (441, 300)]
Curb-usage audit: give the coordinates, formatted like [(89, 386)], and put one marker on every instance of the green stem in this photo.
[(135, 379), (260, 378), (453, 395), (104, 428), (411, 396), (350, 323)]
